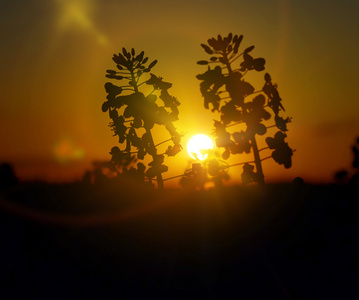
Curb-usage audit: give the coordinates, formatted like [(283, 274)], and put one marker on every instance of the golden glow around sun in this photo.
[(198, 146)]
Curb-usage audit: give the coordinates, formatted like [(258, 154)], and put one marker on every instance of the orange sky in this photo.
[(54, 55)]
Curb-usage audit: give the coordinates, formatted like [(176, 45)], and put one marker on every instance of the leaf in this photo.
[(213, 167), (172, 151), (171, 128), (281, 123), (105, 106), (145, 60), (128, 112), (134, 139), (141, 154), (223, 140), (151, 98), (202, 62), (152, 64), (137, 122), (114, 76), (119, 59), (226, 154), (222, 60), (261, 129), (113, 113), (282, 152), (249, 49), (207, 49), (133, 52), (111, 71), (140, 56), (119, 67), (156, 166), (213, 58), (128, 145), (151, 172), (248, 174), (212, 42), (125, 53), (267, 78), (258, 64), (237, 43), (112, 89)]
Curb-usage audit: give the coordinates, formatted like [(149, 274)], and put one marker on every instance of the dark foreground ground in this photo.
[(82, 242)]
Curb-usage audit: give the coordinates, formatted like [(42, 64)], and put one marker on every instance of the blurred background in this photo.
[(54, 55)]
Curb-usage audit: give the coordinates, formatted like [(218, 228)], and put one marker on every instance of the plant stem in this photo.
[(263, 149), (237, 123), (152, 144), (257, 160), (247, 162), (163, 142)]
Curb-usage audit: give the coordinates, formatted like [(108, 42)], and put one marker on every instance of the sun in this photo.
[(198, 146)]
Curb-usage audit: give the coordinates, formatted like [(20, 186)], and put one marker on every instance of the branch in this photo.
[(239, 55), (142, 83), (173, 177), (151, 92), (242, 163), (263, 149), (163, 142), (245, 72), (234, 124), (127, 89), (122, 73), (229, 97), (248, 162), (268, 157), (256, 92)]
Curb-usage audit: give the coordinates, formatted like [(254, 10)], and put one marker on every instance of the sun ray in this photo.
[(77, 14)]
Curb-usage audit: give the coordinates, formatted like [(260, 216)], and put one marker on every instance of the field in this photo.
[(281, 241)]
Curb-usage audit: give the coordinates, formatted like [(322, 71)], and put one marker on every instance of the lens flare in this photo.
[(65, 151)]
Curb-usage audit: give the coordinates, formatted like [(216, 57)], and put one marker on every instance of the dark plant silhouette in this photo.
[(226, 90), (7, 175), (351, 176), (124, 173), (197, 176), (134, 114)]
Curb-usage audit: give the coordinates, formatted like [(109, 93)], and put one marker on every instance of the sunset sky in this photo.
[(54, 55)]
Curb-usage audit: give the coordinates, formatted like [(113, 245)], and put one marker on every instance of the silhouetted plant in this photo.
[(123, 172), (225, 89), (197, 176), (194, 178), (134, 114), (7, 175), (351, 176)]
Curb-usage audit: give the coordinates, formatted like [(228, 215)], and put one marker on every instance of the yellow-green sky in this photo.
[(54, 54)]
